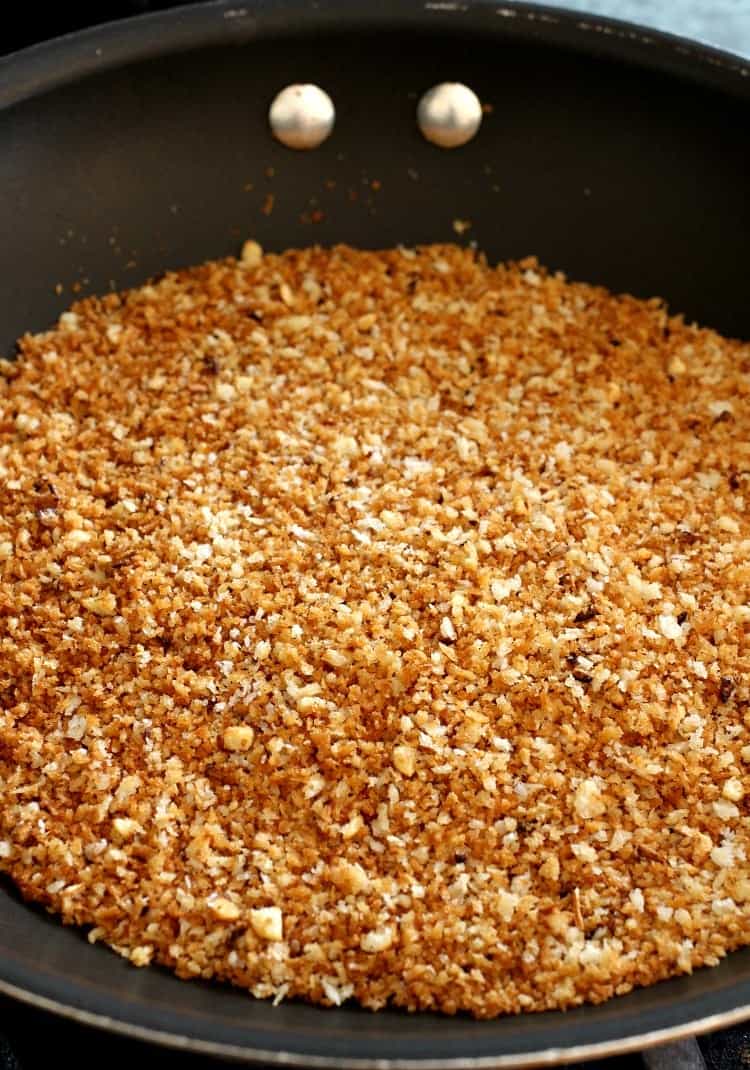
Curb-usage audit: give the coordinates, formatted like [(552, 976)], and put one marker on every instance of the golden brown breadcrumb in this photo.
[(376, 625)]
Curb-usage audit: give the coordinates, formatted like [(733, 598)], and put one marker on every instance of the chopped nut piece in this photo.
[(404, 759), (295, 324), (335, 658), (26, 424), (637, 900), (252, 254), (725, 810), (141, 956), (127, 788), (733, 789), (238, 737), (501, 589), (588, 800), (352, 827), (377, 940), (225, 909), (669, 626), (104, 604), (349, 876), (125, 827), (268, 923), (507, 903), (728, 523), (77, 537), (550, 868)]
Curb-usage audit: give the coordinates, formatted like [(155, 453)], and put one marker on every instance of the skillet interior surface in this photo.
[(617, 156)]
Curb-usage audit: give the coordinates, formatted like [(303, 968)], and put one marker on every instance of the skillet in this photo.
[(617, 155)]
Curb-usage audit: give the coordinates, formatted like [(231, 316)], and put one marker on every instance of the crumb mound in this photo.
[(377, 626)]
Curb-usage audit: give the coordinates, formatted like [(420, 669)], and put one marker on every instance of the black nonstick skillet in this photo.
[(617, 155)]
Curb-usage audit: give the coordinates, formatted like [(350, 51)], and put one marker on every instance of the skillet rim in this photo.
[(548, 1057), (39, 68), (61, 61)]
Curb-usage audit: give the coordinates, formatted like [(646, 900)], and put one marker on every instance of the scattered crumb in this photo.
[(252, 254)]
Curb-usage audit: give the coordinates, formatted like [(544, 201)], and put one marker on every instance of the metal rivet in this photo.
[(302, 116), (449, 114)]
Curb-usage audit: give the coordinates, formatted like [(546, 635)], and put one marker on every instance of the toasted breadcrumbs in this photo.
[(376, 625)]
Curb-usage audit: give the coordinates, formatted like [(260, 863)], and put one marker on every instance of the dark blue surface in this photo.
[(723, 23)]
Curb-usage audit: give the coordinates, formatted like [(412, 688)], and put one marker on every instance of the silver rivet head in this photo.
[(449, 114), (302, 116)]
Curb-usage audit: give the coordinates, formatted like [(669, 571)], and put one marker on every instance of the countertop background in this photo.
[(723, 23)]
